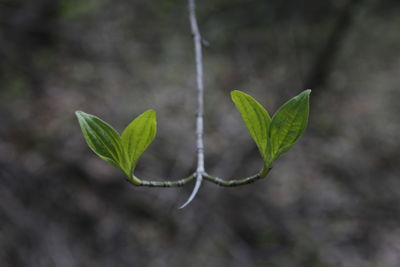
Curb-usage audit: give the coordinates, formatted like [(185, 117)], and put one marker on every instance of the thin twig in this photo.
[(200, 100), (177, 183), (235, 182), (207, 177)]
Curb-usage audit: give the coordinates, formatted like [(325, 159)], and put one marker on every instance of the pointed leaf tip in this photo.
[(149, 112), (235, 92), (79, 113)]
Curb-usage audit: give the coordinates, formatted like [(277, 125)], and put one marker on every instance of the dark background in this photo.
[(333, 200)]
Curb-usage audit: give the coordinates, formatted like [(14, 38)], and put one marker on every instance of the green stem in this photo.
[(236, 182), (177, 183), (232, 183), (207, 177)]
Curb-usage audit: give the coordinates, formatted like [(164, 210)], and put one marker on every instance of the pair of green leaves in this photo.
[(122, 151), (275, 136)]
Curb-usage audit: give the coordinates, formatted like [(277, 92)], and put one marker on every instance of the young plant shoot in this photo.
[(273, 137)]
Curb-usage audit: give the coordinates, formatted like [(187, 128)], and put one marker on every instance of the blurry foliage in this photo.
[(73, 9), (333, 201)]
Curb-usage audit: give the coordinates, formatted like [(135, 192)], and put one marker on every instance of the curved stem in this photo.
[(235, 182), (232, 183), (199, 179), (177, 183), (208, 178)]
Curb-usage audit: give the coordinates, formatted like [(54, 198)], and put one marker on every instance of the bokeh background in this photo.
[(333, 200)]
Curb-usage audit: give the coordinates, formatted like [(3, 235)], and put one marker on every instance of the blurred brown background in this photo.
[(333, 200)]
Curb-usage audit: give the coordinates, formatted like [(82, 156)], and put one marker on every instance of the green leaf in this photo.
[(289, 123), (101, 138), (256, 119), (138, 135)]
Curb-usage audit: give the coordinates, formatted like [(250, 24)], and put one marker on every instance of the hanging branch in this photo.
[(273, 137), (200, 100)]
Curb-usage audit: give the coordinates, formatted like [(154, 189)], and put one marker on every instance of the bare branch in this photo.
[(197, 40)]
